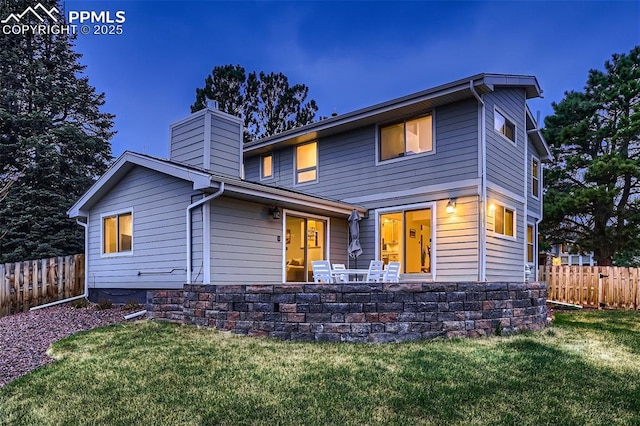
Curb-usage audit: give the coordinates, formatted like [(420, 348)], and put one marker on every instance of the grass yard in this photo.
[(584, 370)]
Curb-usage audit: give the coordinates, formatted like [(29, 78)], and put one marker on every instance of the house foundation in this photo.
[(369, 312)]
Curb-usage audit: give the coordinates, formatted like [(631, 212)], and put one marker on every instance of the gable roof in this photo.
[(399, 107), (207, 182)]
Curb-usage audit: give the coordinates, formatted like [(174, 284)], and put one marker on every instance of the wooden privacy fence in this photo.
[(593, 286), (24, 285)]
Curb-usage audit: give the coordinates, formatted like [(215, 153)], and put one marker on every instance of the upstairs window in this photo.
[(535, 177), (306, 162), (503, 125), (266, 166), (409, 137), (117, 233)]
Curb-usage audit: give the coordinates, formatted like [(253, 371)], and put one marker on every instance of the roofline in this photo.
[(536, 133), (203, 181), (488, 81)]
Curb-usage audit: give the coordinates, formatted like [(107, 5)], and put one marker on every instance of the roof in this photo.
[(207, 182), (399, 107)]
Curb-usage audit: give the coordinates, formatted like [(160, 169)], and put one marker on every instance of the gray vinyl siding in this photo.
[(226, 146), (505, 256), (347, 162), (504, 159), (245, 247), (338, 241), (187, 142), (159, 232), (456, 236), (244, 243), (457, 241)]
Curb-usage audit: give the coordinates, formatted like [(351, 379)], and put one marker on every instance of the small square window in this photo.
[(503, 125), (117, 233), (504, 220), (266, 166)]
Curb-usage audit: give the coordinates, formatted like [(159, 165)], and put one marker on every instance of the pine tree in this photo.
[(54, 140), (267, 104), (593, 186)]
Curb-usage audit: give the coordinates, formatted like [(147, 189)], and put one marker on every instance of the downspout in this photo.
[(188, 213), (86, 271), (482, 254)]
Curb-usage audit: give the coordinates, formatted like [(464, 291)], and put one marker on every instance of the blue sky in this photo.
[(350, 54)]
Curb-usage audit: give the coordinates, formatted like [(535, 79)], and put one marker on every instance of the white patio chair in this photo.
[(376, 273), (341, 278), (392, 272), (321, 271)]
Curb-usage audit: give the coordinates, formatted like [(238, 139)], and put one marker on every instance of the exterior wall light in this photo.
[(274, 212), (451, 206)]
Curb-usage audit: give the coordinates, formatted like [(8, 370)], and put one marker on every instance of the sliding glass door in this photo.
[(405, 237), (305, 241)]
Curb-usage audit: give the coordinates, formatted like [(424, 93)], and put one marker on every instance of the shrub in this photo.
[(104, 304), (80, 303)]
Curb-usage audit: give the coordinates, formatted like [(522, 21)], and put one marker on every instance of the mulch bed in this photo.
[(25, 337)]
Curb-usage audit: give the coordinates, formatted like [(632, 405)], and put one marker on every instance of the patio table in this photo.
[(349, 272)]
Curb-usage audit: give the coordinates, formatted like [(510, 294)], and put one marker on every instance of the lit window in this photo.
[(504, 220), (409, 137), (267, 166), (530, 245), (502, 125), (117, 231), (535, 177), (307, 162)]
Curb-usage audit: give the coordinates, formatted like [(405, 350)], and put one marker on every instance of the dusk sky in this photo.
[(350, 54)]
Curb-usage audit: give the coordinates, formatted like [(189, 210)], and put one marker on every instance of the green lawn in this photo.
[(583, 370)]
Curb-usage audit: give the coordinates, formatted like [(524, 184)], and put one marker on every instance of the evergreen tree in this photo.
[(54, 140), (267, 104), (593, 186)]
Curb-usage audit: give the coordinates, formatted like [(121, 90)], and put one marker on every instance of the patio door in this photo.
[(305, 241), (406, 237)]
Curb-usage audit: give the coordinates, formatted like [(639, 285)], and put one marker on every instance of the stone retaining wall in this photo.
[(369, 312)]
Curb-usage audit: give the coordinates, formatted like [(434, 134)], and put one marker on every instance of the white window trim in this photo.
[(401, 209), (379, 126), (101, 242), (262, 176), (507, 117), (537, 160), (492, 231), (302, 215), (526, 244), (295, 165)]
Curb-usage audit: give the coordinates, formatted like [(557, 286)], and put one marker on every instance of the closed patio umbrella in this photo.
[(355, 249)]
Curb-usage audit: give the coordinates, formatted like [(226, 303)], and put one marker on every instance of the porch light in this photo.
[(274, 212), (451, 206)]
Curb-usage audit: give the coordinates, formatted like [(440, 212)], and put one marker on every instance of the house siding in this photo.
[(456, 235), (244, 243), (347, 162), (187, 142), (226, 146), (504, 159), (505, 256), (159, 232)]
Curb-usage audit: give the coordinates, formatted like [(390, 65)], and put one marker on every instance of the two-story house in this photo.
[(448, 181)]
